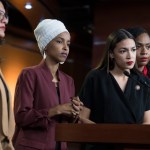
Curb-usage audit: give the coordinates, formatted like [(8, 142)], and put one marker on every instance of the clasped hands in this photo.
[(71, 109), (77, 106)]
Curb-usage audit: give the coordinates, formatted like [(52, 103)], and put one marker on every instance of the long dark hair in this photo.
[(111, 42)]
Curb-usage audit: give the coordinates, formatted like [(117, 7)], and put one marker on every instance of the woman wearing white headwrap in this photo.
[(44, 94)]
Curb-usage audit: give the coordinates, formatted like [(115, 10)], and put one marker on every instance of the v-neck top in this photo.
[(109, 104)]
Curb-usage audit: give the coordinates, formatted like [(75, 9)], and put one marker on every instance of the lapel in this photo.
[(48, 77), (126, 99), (7, 114), (126, 102), (61, 86), (4, 108)]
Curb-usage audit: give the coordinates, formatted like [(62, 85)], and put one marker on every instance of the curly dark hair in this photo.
[(136, 31)]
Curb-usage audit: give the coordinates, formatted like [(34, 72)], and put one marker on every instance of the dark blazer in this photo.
[(35, 94), (148, 68), (109, 104)]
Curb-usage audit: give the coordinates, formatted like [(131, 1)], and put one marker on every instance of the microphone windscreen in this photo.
[(126, 73)]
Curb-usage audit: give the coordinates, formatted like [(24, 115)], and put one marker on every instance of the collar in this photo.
[(145, 71)]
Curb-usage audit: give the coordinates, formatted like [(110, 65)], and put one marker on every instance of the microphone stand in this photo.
[(140, 81)]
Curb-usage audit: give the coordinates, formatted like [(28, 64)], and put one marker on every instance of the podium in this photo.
[(123, 136)]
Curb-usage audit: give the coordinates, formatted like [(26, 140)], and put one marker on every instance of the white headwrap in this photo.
[(46, 31)]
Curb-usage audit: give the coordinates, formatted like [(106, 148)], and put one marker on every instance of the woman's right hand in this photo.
[(68, 109)]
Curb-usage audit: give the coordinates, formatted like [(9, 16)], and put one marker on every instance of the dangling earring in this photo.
[(44, 55)]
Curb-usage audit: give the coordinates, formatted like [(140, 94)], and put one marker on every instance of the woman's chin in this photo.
[(2, 35)]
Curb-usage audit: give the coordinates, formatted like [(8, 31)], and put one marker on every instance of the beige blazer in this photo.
[(6, 118)]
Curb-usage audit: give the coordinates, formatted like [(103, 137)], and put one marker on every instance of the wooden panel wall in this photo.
[(111, 15)]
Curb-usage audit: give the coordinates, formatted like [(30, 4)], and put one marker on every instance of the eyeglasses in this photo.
[(4, 16)]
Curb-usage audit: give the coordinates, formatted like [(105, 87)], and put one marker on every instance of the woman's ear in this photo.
[(111, 55)]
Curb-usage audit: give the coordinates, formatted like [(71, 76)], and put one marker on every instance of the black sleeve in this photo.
[(148, 95), (86, 91)]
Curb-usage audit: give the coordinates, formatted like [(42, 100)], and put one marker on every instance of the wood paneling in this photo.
[(112, 15)]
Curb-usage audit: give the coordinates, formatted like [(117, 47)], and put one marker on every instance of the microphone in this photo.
[(140, 81)]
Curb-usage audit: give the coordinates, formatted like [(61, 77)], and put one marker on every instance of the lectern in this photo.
[(123, 136)]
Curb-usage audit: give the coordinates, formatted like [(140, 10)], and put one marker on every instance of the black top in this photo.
[(109, 104), (148, 68)]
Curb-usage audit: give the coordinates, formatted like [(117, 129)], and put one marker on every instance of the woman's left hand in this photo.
[(77, 107)]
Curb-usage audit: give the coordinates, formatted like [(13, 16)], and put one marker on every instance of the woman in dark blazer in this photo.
[(44, 94)]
